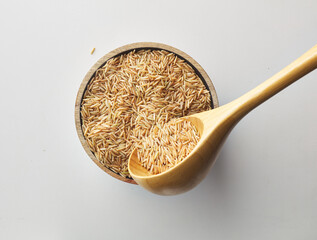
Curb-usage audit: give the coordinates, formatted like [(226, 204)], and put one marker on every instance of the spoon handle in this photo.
[(297, 69)]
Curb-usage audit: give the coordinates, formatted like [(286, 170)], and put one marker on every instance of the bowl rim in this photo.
[(118, 51)]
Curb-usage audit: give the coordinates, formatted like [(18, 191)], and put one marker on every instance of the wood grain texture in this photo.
[(121, 50), (214, 127)]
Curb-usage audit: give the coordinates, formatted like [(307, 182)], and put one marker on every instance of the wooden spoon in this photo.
[(214, 126)]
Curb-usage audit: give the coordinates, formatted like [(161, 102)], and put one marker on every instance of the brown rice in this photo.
[(167, 145), (130, 95)]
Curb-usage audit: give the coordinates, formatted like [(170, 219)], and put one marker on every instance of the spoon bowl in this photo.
[(214, 127), (193, 169)]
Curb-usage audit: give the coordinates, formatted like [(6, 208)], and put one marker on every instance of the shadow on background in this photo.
[(219, 188)]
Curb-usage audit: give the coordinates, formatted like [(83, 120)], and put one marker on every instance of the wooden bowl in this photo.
[(125, 49)]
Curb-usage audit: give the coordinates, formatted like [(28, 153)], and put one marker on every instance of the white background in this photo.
[(264, 184)]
